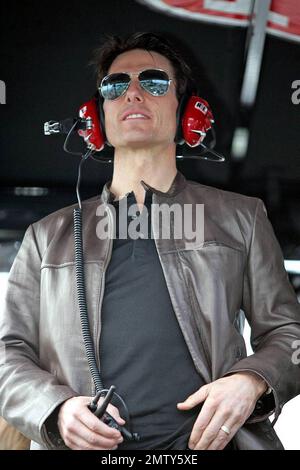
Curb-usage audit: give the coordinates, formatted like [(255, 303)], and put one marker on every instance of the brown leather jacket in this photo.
[(239, 266)]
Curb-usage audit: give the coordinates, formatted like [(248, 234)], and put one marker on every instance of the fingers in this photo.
[(88, 442), (213, 437), (114, 412), (202, 422), (213, 433), (95, 424), (80, 437), (231, 418), (222, 438), (81, 429), (228, 401), (195, 398)]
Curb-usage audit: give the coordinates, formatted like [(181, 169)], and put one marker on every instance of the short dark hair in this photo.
[(116, 45)]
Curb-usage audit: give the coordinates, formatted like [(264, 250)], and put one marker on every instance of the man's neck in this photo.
[(157, 170)]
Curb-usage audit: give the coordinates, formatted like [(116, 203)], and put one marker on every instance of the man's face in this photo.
[(158, 124)]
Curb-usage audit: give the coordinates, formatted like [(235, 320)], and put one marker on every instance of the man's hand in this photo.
[(82, 430), (228, 401)]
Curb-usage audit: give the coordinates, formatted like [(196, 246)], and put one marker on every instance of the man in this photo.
[(163, 312)]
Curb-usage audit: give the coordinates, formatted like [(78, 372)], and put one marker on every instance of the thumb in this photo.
[(194, 399)]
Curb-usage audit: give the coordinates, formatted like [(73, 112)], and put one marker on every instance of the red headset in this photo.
[(194, 119)]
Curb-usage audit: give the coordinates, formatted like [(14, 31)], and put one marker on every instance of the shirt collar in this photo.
[(178, 184)]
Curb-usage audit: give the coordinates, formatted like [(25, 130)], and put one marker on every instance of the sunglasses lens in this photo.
[(114, 85), (154, 81)]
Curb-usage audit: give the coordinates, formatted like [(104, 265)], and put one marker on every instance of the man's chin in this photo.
[(138, 142)]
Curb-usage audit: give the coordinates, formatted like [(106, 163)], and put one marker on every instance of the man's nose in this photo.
[(134, 92)]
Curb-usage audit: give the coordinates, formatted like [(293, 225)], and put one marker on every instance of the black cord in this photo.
[(213, 142), (103, 159), (217, 156), (83, 159), (102, 392), (82, 302), (68, 137), (81, 295)]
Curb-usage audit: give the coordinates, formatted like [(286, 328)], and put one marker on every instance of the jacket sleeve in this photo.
[(273, 312), (28, 394)]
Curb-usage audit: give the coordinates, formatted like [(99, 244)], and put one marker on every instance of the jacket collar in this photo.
[(176, 187)]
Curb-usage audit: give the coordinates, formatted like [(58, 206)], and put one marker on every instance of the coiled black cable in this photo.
[(83, 311), (80, 283), (81, 295)]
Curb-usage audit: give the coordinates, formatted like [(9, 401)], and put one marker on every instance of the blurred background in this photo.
[(246, 57)]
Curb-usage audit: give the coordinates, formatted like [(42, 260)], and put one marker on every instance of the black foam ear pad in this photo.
[(179, 114)]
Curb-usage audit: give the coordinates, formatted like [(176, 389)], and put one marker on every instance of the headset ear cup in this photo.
[(196, 120), (92, 133), (179, 115)]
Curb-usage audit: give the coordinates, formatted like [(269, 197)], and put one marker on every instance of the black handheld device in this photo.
[(107, 418)]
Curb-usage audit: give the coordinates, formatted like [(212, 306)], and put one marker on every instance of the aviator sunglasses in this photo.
[(154, 81)]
